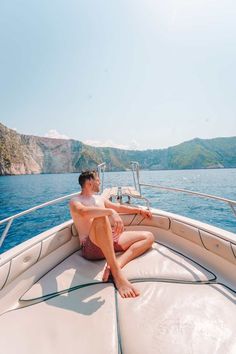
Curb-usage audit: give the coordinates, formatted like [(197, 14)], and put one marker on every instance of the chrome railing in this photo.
[(138, 185), (101, 169), (10, 219), (135, 171), (231, 203)]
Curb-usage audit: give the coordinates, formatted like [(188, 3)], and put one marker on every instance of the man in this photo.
[(90, 213)]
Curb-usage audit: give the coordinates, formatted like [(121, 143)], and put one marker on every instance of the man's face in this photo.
[(96, 184)]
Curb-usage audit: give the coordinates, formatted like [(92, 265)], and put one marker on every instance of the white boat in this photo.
[(53, 301)]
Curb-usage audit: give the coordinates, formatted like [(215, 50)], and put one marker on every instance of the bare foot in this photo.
[(124, 287), (106, 272)]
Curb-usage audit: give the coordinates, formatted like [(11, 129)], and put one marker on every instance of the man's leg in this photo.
[(134, 243), (101, 235)]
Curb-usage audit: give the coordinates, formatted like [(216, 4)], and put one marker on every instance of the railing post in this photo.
[(4, 234), (10, 219), (101, 169), (232, 207), (231, 203), (135, 168)]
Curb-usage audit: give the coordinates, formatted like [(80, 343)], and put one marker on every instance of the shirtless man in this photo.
[(90, 213)]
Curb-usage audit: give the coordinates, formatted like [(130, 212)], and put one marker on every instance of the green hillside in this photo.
[(26, 154)]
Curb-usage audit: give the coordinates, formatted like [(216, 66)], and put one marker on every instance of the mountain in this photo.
[(28, 154)]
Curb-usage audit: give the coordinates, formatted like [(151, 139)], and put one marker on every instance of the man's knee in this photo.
[(149, 238), (100, 227)]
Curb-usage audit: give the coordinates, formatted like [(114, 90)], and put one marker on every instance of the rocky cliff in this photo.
[(28, 154)]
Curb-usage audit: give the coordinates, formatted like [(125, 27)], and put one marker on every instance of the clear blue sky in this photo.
[(142, 74)]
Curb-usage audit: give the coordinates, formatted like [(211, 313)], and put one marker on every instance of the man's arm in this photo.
[(93, 212), (78, 208), (121, 208)]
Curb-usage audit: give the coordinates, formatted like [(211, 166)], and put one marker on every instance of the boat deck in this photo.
[(109, 193), (70, 310)]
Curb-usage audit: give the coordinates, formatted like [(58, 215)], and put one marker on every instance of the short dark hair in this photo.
[(86, 175)]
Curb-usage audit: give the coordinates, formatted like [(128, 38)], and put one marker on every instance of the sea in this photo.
[(19, 193)]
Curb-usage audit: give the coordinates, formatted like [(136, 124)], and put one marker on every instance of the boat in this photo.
[(53, 301)]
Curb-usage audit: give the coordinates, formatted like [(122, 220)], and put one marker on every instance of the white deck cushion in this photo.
[(81, 321), (178, 318), (163, 263), (159, 263), (73, 271)]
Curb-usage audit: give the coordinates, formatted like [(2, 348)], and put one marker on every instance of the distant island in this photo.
[(28, 154)]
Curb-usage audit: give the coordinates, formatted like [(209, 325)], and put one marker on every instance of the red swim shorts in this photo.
[(93, 252)]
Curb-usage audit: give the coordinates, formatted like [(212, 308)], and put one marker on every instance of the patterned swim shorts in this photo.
[(93, 252)]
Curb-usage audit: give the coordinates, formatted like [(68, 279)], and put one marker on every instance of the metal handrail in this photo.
[(101, 169), (135, 169), (232, 203), (10, 219)]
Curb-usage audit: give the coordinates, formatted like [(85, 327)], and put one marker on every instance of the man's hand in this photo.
[(145, 213), (118, 225)]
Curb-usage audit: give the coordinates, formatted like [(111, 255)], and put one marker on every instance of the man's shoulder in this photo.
[(75, 199)]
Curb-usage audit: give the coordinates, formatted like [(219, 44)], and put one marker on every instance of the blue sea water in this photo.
[(18, 193)]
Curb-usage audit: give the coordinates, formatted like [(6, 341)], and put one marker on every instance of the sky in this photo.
[(131, 74)]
